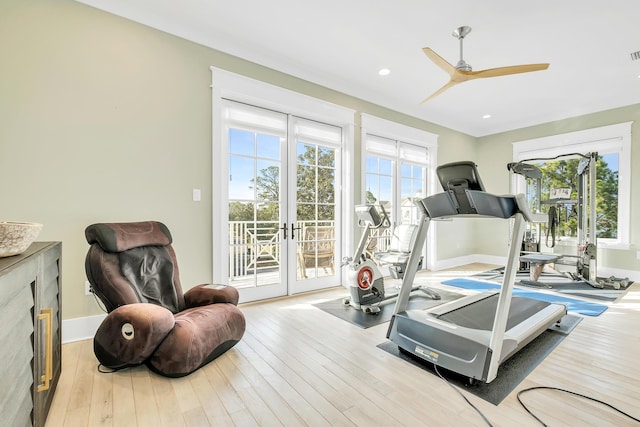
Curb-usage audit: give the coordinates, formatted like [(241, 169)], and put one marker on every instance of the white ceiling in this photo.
[(341, 44)]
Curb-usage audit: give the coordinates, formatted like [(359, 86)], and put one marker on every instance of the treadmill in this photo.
[(474, 334)]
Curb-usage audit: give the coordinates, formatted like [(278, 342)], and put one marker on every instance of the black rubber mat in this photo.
[(560, 284), (510, 373), (418, 301)]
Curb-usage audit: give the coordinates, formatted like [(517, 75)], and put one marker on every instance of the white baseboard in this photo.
[(468, 259), (81, 328), (498, 260)]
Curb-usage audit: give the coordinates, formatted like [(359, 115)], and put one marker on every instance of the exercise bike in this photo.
[(366, 283)]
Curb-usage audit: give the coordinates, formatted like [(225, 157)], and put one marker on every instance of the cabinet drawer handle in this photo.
[(46, 314)]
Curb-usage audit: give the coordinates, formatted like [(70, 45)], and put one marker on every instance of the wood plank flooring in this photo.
[(298, 366)]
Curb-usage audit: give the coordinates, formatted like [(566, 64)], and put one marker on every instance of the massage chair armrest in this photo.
[(201, 295), (131, 333)]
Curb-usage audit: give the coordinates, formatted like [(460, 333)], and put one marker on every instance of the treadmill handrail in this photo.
[(476, 204)]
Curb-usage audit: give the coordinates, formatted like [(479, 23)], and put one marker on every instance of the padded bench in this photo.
[(537, 263)]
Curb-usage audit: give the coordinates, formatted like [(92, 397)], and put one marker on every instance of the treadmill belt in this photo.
[(481, 314)]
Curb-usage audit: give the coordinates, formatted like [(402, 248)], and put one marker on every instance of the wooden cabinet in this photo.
[(30, 335)]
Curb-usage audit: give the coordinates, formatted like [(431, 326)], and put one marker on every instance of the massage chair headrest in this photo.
[(119, 237)]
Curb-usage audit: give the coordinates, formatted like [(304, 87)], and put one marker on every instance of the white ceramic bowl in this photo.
[(16, 237)]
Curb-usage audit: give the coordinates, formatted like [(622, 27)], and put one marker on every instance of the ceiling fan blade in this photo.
[(504, 71), (439, 91), (439, 61)]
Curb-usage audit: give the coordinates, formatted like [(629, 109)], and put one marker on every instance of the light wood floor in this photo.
[(297, 365)]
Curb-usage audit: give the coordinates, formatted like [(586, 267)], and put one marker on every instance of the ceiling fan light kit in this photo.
[(463, 72)]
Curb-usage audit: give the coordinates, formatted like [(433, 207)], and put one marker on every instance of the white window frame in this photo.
[(603, 140), (377, 126), (228, 85)]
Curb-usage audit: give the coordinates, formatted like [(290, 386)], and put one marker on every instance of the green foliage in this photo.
[(563, 174), (268, 184), (268, 191), (239, 211), (371, 199)]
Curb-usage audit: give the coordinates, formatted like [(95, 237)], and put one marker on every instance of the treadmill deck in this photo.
[(457, 335), (480, 314)]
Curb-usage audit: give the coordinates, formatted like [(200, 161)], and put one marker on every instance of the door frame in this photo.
[(228, 85)]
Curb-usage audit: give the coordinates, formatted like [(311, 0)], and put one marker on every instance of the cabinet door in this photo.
[(48, 337), (17, 287)]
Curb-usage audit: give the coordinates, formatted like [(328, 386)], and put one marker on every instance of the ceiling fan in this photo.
[(462, 71)]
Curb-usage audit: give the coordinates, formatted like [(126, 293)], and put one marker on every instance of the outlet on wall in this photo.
[(87, 287)]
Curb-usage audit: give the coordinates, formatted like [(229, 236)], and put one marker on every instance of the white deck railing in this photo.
[(255, 246)]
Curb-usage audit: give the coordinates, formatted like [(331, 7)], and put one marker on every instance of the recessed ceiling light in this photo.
[(486, 116), (384, 71)]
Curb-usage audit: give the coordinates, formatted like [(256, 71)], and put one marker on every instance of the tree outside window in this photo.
[(563, 174)]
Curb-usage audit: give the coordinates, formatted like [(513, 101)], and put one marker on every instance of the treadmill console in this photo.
[(368, 214), (459, 174), (465, 195)]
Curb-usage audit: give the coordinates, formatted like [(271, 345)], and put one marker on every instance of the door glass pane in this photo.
[(372, 186), (243, 143), (371, 164), (412, 180), (386, 194), (386, 167), (382, 187), (267, 182), (254, 208), (268, 146), (241, 176), (379, 191), (315, 210)]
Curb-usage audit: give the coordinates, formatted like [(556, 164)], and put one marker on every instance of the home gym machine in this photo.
[(474, 334), (532, 259), (366, 283), (559, 200)]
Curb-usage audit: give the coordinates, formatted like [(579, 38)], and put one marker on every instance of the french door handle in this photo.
[(293, 232), (284, 230)]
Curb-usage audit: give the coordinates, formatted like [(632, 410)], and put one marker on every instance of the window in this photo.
[(395, 175), (398, 168), (612, 144)]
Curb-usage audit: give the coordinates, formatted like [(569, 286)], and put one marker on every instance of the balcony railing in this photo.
[(255, 247)]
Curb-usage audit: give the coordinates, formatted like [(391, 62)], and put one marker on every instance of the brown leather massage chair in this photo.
[(132, 268)]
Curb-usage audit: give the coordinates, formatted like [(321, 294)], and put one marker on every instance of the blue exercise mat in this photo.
[(585, 308)]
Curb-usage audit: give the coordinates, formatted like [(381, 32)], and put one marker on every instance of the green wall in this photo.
[(104, 119)]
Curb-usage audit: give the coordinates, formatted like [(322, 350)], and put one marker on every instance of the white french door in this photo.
[(314, 160), (282, 205)]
